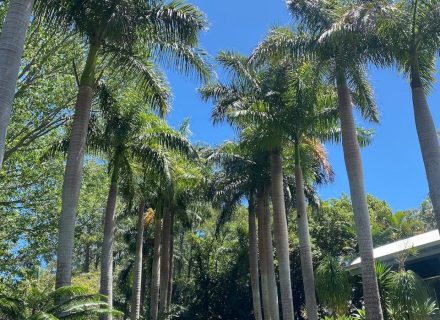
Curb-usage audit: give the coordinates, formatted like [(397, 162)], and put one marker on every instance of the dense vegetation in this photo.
[(109, 212)]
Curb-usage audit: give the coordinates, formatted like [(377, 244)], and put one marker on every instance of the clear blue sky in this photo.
[(392, 164)]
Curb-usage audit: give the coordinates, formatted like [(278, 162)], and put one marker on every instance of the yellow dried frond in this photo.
[(149, 216)]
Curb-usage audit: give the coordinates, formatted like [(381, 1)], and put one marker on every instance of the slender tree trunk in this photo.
[(272, 281), (106, 283), (165, 260), (253, 260), (281, 235), (428, 139), (73, 173), (171, 267), (305, 247), (353, 165), (12, 37), (146, 271), (155, 272), (86, 266), (137, 272), (263, 256)]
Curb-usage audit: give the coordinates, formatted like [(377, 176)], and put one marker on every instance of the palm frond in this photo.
[(150, 80)]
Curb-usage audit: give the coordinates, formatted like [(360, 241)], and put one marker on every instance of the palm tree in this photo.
[(253, 259), (76, 303), (242, 102), (266, 244), (155, 272), (346, 54), (410, 34), (112, 31), (165, 257), (137, 271), (243, 175), (128, 136), (12, 40), (184, 189), (313, 116)]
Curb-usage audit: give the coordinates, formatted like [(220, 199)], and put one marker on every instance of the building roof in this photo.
[(426, 244)]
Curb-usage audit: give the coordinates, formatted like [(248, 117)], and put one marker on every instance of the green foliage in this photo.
[(76, 303), (332, 285), (216, 281), (409, 297)]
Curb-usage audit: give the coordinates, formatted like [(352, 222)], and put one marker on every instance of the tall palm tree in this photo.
[(243, 175), (165, 257), (12, 39), (155, 272), (346, 53), (267, 261), (128, 136), (313, 115), (253, 259), (137, 272), (185, 192), (242, 102), (410, 34), (113, 30)]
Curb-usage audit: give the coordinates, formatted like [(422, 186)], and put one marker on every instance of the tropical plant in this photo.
[(129, 137), (244, 173), (241, 102), (333, 286), (114, 31), (410, 35), (346, 54), (77, 303)]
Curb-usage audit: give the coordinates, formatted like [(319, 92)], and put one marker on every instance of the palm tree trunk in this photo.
[(272, 281), (171, 267), (155, 273), (137, 272), (73, 173), (106, 283), (12, 37), (165, 260), (86, 265), (428, 139), (253, 260), (281, 235), (263, 256), (353, 166), (305, 248)]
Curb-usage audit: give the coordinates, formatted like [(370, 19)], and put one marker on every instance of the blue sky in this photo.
[(393, 165)]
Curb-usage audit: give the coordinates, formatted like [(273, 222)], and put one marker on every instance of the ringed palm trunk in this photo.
[(353, 166), (12, 37), (73, 172), (165, 261), (106, 281), (253, 260), (155, 273), (273, 289), (171, 267), (263, 256), (281, 235), (137, 273), (428, 138), (305, 248)]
